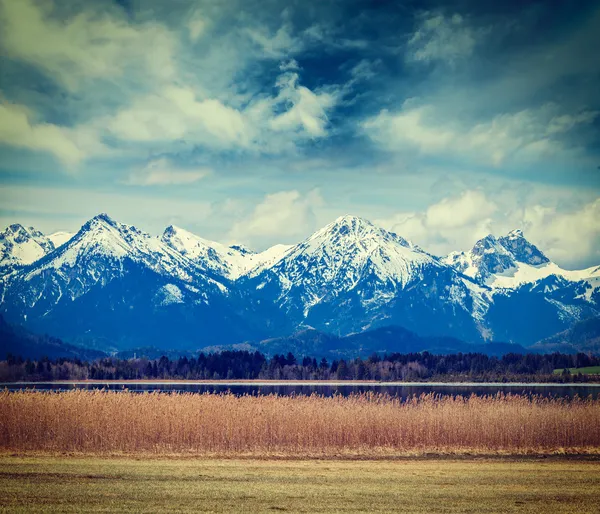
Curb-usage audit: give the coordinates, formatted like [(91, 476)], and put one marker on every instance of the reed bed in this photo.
[(102, 422)]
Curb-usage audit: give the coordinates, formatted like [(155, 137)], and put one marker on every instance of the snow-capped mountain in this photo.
[(102, 245), (534, 293), (337, 257), (20, 246), (115, 286), (510, 261), (351, 275), (110, 274), (486, 259), (208, 255), (225, 261)]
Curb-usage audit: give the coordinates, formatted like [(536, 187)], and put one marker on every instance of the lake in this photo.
[(402, 390)]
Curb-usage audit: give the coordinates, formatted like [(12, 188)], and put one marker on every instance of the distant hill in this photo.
[(392, 339), (583, 336), (21, 342)]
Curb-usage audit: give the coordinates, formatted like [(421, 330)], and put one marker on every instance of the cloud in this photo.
[(268, 124), (175, 113), (450, 224), (467, 209), (526, 135), (571, 238), (442, 38), (128, 86), (566, 122), (291, 65), (67, 208), (282, 217), (88, 45), (69, 146), (275, 46), (196, 25), (307, 110), (162, 172)]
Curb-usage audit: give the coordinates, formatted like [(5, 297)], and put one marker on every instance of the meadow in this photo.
[(587, 370), (126, 484), (364, 425)]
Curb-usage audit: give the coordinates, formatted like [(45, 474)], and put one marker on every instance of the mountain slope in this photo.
[(59, 238), (583, 336), (18, 341), (388, 339)]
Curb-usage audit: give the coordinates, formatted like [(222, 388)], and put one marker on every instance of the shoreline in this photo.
[(300, 383)]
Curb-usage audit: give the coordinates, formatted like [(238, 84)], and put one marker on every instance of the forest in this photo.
[(244, 365)]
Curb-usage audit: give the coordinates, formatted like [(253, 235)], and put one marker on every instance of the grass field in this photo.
[(590, 370), (78, 485)]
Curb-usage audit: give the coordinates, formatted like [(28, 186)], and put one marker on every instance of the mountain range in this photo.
[(112, 287)]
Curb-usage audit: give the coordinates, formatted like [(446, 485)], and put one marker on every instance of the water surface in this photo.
[(401, 390)]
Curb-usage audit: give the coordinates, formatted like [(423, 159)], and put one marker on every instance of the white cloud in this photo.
[(467, 209), (277, 45), (566, 122), (162, 172), (291, 65), (134, 87), (18, 128), (282, 217), (175, 113), (268, 124), (442, 38), (86, 46), (307, 110), (196, 26), (571, 237), (526, 135), (54, 208), (450, 224)]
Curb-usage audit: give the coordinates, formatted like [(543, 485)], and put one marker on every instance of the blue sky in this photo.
[(259, 122)]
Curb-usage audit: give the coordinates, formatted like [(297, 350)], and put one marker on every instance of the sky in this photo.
[(258, 122)]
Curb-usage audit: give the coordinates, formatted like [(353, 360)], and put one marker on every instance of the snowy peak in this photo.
[(354, 228), (505, 262), (209, 255), (349, 251), (487, 258), (229, 261), (522, 250), (101, 247), (100, 220), (20, 246), (352, 232), (517, 233)]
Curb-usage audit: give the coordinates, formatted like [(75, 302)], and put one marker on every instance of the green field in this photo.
[(78, 485), (590, 370)]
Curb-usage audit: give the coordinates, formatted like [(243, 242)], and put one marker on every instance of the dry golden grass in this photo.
[(100, 422)]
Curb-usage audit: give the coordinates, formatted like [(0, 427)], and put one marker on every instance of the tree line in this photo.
[(247, 365)]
